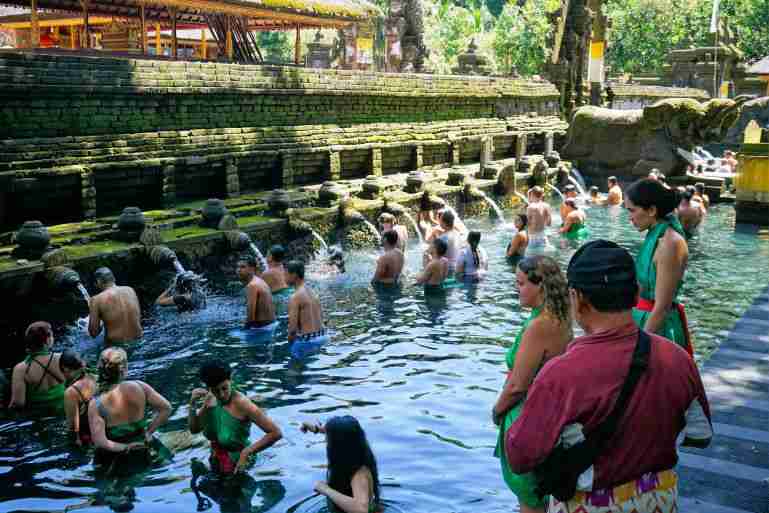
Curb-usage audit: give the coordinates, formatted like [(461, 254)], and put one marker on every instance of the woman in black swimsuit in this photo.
[(77, 396)]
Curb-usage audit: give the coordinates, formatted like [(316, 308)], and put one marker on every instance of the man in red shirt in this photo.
[(576, 391)]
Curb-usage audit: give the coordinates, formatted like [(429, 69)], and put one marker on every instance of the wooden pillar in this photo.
[(73, 30), (298, 46), (143, 23), (229, 39), (34, 33), (86, 43), (174, 40), (203, 44), (158, 45)]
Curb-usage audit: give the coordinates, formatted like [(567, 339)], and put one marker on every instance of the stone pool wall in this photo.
[(81, 137), (638, 96)]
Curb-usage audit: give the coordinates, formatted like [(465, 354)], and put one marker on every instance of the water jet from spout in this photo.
[(258, 255), (493, 205), (415, 226)]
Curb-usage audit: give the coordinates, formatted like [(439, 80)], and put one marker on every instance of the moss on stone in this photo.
[(95, 249)]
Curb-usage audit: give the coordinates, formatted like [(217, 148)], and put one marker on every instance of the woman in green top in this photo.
[(82, 388), (545, 334), (225, 419), (574, 222), (661, 261), (116, 416), (38, 382)]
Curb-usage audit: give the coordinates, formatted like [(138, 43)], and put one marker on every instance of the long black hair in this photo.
[(473, 238), (647, 193), (347, 450)]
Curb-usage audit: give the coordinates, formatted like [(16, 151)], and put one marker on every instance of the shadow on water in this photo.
[(419, 372)]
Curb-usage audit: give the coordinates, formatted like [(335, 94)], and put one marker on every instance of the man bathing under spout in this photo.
[(538, 214), (115, 306), (260, 310)]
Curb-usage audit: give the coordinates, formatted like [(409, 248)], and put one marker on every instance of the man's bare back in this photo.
[(118, 308), (614, 197), (304, 313), (539, 217), (389, 266), (275, 277), (260, 309)]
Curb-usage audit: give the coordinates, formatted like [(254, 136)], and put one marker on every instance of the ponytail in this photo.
[(473, 238)]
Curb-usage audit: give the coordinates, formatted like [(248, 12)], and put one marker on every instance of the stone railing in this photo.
[(637, 96)]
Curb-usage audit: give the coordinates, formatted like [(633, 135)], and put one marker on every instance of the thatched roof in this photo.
[(273, 13), (760, 68)]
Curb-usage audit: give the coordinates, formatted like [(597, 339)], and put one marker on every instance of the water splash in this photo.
[(522, 198), (578, 176), (372, 229), (317, 237), (555, 189), (457, 219), (415, 225), (84, 292), (258, 255), (178, 266), (576, 184), (493, 205)]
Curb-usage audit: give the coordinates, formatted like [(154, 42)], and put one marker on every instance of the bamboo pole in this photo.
[(174, 39), (298, 46), (203, 44), (86, 43), (73, 37), (228, 23), (158, 45), (34, 34)]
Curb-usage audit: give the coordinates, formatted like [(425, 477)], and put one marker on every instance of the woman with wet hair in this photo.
[(517, 246), (661, 261), (574, 222), (225, 418), (473, 261), (544, 335), (81, 390), (352, 479), (38, 382), (117, 415)]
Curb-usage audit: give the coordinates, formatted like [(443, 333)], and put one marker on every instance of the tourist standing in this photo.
[(473, 261), (614, 196), (570, 192), (632, 468), (574, 223), (260, 310), (117, 415), (699, 189), (436, 266), (389, 265), (389, 222), (538, 214), (544, 335), (117, 307), (275, 274), (595, 196), (305, 316), (225, 418), (661, 261), (450, 235), (352, 479), (38, 382), (517, 246), (690, 211), (82, 389)]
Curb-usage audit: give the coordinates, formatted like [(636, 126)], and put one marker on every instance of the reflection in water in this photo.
[(234, 493), (420, 373)]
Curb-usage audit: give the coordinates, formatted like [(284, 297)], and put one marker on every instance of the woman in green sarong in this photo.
[(38, 382), (225, 419), (573, 227), (661, 261), (116, 416), (545, 334)]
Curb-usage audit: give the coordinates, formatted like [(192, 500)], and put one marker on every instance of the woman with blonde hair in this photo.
[(544, 335), (116, 416)]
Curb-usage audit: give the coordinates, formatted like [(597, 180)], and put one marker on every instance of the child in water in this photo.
[(353, 479)]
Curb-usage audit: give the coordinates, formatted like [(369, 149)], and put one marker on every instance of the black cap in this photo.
[(601, 263)]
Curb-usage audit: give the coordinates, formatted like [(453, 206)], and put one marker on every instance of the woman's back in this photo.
[(123, 404), (42, 372)]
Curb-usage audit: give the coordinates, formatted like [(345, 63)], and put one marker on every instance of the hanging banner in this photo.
[(595, 66)]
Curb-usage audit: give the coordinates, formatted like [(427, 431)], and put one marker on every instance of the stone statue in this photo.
[(404, 29), (603, 142)]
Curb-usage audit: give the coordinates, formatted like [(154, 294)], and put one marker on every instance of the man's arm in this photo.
[(548, 217), (293, 317), (381, 268), (165, 299), (425, 275), (253, 299), (94, 322), (699, 428)]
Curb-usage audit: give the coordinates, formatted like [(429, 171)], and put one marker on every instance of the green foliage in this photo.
[(520, 38), (276, 47)]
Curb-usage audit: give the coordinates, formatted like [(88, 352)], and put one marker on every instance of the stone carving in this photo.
[(471, 63), (632, 142), (754, 110), (404, 30)]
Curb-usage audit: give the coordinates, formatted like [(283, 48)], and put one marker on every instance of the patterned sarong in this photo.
[(652, 493)]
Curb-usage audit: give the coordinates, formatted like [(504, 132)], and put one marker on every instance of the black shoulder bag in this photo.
[(557, 475)]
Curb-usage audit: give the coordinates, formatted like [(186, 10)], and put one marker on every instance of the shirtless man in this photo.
[(570, 192), (305, 317), (614, 197), (388, 222), (117, 307), (699, 192), (690, 211), (275, 275), (450, 235), (260, 310), (538, 214), (390, 264), (436, 267)]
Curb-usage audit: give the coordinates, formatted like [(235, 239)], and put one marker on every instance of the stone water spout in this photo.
[(32, 240), (241, 241), (350, 217), (299, 229), (62, 278)]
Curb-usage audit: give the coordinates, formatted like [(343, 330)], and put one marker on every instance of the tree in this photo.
[(520, 36)]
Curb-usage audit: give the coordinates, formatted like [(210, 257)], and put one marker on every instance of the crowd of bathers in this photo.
[(560, 392)]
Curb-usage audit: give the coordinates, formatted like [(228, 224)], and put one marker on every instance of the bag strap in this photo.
[(598, 437)]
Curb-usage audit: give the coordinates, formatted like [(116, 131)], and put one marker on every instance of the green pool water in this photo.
[(421, 375)]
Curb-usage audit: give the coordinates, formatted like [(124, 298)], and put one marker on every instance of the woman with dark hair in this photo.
[(690, 211), (117, 414), (353, 478), (473, 261), (544, 335), (517, 246), (225, 418), (661, 261), (79, 393), (38, 382), (573, 227)]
